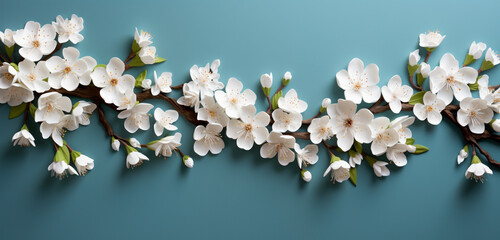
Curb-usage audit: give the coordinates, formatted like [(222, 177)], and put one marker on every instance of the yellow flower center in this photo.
[(36, 44), (348, 122), (114, 82), (8, 76), (67, 70)]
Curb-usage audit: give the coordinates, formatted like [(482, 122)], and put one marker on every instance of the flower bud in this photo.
[(188, 161), (464, 153), (147, 55), (476, 49), (491, 59), (496, 125), (266, 80), (134, 142), (324, 104), (146, 84), (115, 144), (414, 58), (286, 78), (306, 175), (424, 69)]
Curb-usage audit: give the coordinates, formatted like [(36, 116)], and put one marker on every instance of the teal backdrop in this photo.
[(237, 194)]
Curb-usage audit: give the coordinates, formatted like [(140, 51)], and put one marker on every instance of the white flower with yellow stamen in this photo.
[(148, 55), (69, 29), (137, 117), (111, 80), (291, 103), (284, 121), (58, 130), (165, 120), (8, 75), (35, 41), (212, 112), (51, 107), (166, 146), (33, 76), (359, 83), (206, 79), (233, 99), (475, 113), (431, 39), (66, 72), (208, 139), (16, 94), (430, 110), (250, 129), (281, 145), (61, 169), (142, 39), (162, 83), (339, 170)]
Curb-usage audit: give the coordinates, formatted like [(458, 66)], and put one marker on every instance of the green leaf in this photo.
[(410, 141), (486, 65), (135, 47), (466, 148), (15, 66), (140, 78), (17, 110), (420, 149), (371, 160), (285, 82), (334, 159), (412, 69), (99, 65), (352, 153), (32, 110), (159, 59), (353, 176), (474, 86), (9, 51), (469, 59), (420, 79), (475, 159), (275, 98), (417, 98), (358, 147), (62, 154), (136, 62)]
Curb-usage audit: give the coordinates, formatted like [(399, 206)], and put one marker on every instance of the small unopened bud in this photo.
[(188, 161), (115, 144), (146, 84), (286, 78), (496, 125), (134, 142), (411, 148), (306, 175), (324, 104)]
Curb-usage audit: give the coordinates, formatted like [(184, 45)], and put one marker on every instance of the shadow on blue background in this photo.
[(238, 195)]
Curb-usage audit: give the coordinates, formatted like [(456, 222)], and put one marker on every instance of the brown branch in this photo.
[(270, 108), (427, 56), (308, 121), (59, 45), (3, 58), (178, 87), (301, 135), (413, 84)]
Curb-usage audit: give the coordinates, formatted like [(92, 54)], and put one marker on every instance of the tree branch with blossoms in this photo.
[(218, 109)]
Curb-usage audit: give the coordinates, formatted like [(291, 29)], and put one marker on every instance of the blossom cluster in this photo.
[(349, 131)]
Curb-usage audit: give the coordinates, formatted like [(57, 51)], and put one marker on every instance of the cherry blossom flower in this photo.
[(320, 129), (383, 135), (306, 155), (7, 37), (492, 56), (57, 130), (287, 76), (476, 49), (191, 97), (23, 138), (474, 113), (162, 83), (111, 81), (339, 170), (284, 121), (208, 139), (477, 170), (206, 79), (166, 146), (69, 29), (430, 110), (355, 158), (424, 69), (430, 40), (33, 76), (281, 145), (134, 158), (401, 125), (251, 128), (142, 39), (212, 112), (414, 58), (147, 54), (491, 97), (85, 78), (61, 169), (233, 99), (146, 84), (82, 162), (8, 75), (395, 93), (16, 94), (51, 107), (380, 169), (164, 120), (81, 113), (396, 154), (65, 72), (291, 103), (496, 125), (348, 125), (448, 79), (359, 82), (136, 117), (127, 100), (35, 41)]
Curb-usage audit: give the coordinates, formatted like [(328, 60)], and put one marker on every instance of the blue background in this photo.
[(238, 195)]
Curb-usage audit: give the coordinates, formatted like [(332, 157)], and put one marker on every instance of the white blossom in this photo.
[(23, 138), (61, 169), (380, 169), (111, 80), (306, 175), (395, 93), (266, 80), (396, 154), (348, 125), (69, 29), (306, 155), (115, 144), (82, 112), (16, 94), (83, 164), (8, 76), (33, 76), (57, 130), (136, 117), (208, 139), (462, 155), (51, 107), (414, 58), (126, 101), (162, 83), (35, 41), (206, 79), (339, 171), (424, 69), (7, 37), (430, 110), (147, 54), (232, 100), (474, 113), (359, 82), (188, 162), (320, 129), (492, 56), (326, 102), (212, 112), (476, 49), (190, 96), (142, 39), (430, 39), (448, 79), (401, 125), (284, 121), (291, 103), (477, 170), (135, 159), (66, 72), (251, 128), (146, 84), (355, 159), (287, 76), (85, 78), (134, 142), (166, 146), (383, 135), (281, 145), (165, 120)]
